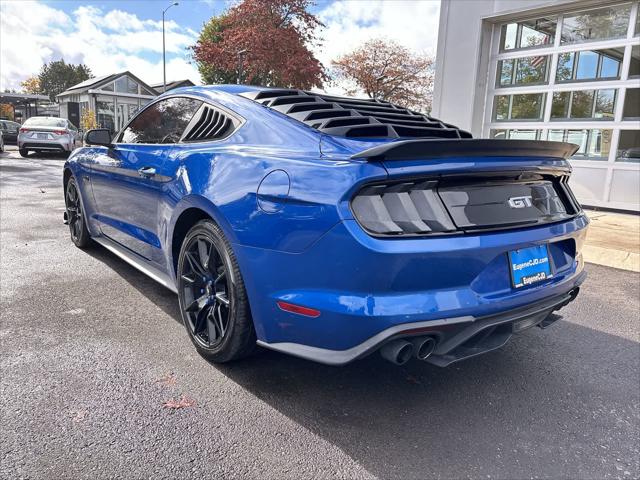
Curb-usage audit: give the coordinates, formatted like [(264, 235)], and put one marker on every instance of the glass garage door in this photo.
[(574, 77)]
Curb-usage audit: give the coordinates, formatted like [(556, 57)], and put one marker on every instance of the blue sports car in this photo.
[(330, 227)]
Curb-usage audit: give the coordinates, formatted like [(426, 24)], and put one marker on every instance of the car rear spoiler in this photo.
[(427, 149)]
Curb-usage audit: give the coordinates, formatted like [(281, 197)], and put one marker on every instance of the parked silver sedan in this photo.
[(47, 134)]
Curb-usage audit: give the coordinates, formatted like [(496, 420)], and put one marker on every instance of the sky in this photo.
[(112, 36)]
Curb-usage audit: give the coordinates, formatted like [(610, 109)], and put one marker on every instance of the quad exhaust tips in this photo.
[(400, 351)]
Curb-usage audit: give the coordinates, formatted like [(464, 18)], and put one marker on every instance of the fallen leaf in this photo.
[(168, 380), (184, 402), (79, 416)]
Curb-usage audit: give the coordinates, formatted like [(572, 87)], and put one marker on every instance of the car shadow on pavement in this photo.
[(512, 413), (562, 402), (159, 295)]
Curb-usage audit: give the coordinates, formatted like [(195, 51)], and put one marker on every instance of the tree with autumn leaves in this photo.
[(267, 42), (386, 70), (270, 43)]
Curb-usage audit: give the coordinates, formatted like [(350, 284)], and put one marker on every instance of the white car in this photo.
[(47, 134)]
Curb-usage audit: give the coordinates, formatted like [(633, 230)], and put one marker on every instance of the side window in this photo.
[(162, 122)]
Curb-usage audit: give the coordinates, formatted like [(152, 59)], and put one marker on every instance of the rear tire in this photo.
[(75, 215), (212, 297), (24, 152)]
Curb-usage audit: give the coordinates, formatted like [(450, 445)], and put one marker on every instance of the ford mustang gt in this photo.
[(330, 227)]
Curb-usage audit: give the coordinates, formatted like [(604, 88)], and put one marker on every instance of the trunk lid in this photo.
[(474, 185)]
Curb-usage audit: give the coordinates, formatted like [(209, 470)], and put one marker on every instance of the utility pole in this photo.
[(241, 54), (164, 62)]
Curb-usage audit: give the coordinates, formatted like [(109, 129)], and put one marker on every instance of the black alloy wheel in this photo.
[(212, 297), (205, 285), (75, 215)]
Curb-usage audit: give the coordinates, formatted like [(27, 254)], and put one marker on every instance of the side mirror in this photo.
[(98, 136)]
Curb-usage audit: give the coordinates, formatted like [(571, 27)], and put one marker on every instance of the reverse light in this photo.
[(291, 308), (402, 208)]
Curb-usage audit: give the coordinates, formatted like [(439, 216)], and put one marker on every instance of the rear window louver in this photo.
[(210, 124), (356, 118)]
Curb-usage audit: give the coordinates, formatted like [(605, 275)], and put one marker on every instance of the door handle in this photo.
[(147, 172)]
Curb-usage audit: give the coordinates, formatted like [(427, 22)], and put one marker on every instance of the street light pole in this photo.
[(241, 55), (164, 62)]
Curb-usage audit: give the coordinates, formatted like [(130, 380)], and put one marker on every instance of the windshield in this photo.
[(44, 122)]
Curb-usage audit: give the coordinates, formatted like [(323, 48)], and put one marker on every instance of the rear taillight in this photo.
[(24, 130), (402, 208), (60, 132)]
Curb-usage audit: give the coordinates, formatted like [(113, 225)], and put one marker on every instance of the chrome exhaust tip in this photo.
[(423, 347), (397, 351)]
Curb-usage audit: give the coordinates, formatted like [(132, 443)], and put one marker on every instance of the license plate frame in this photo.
[(529, 266)]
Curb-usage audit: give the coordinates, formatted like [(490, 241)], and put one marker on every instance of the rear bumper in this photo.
[(369, 290), (457, 338), (62, 145)]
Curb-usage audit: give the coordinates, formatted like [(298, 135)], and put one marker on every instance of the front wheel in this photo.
[(213, 300), (24, 152), (75, 215)]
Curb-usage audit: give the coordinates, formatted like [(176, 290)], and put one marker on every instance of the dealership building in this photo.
[(562, 70)]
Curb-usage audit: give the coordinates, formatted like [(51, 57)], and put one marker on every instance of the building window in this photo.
[(517, 133), (582, 88), (601, 24), (589, 65), (132, 110), (584, 104), (592, 144), (106, 114), (634, 64), (528, 34), (527, 106), (523, 71), (628, 146), (84, 106), (126, 85), (631, 108), (108, 87)]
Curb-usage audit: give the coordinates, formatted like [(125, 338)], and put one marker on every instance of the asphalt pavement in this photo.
[(93, 356)]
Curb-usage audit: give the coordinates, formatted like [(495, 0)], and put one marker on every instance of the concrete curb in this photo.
[(611, 258)]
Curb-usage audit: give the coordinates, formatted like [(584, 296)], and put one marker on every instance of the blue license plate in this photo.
[(529, 265)]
